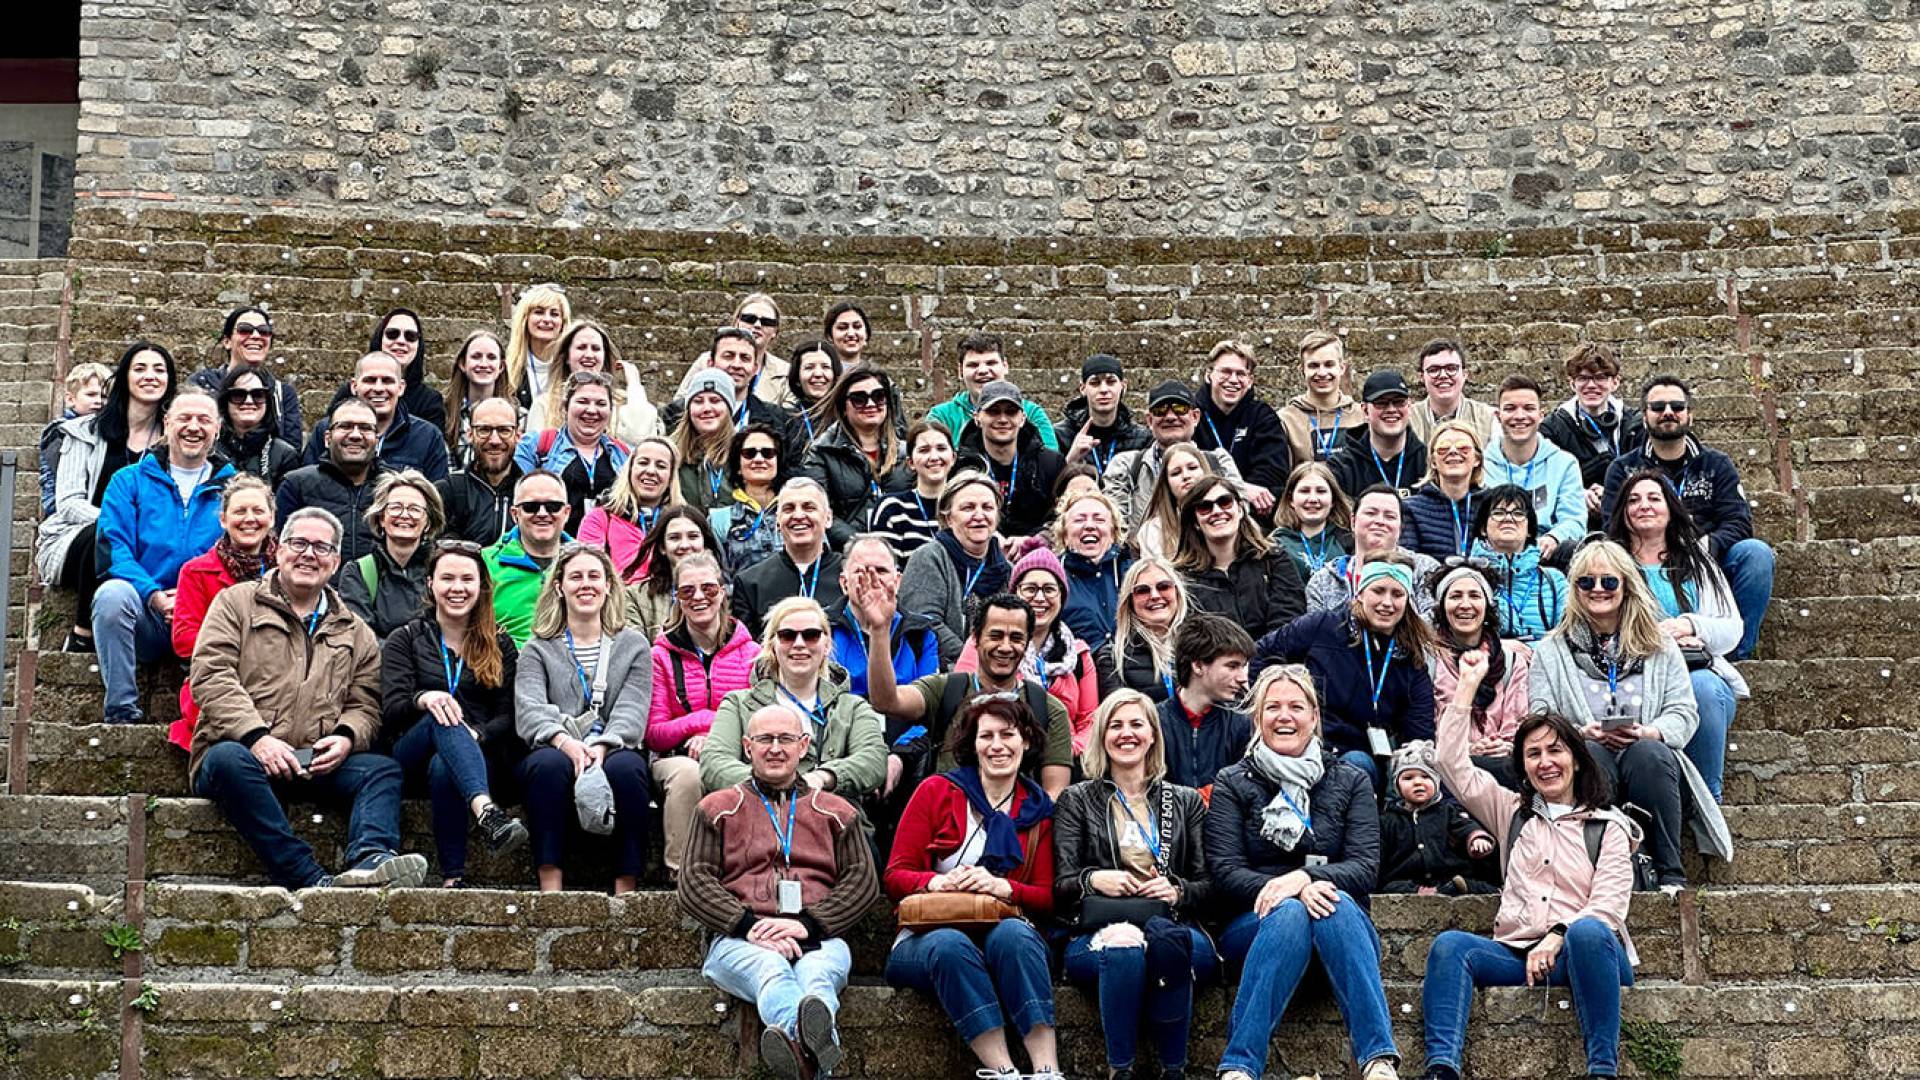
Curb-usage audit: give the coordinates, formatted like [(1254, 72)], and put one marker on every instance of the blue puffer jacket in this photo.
[(146, 534), (1529, 597), (1435, 524), (1093, 594)]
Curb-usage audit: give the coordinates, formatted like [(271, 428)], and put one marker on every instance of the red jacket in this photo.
[(934, 825), (201, 579)]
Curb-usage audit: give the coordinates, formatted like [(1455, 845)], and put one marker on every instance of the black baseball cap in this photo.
[(1384, 383), (1170, 391)]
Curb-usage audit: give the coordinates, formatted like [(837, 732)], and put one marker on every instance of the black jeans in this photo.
[(1647, 774)]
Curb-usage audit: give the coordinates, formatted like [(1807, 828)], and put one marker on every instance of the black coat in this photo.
[(476, 510), (1029, 494), (1346, 831), (1133, 667), (411, 443), (260, 453), (1262, 593), (286, 404), (1594, 443), (326, 487), (1355, 469), (397, 590), (773, 579), (411, 665), (1084, 841), (1427, 847), (1251, 434), (1195, 756), (1123, 434), (852, 488)]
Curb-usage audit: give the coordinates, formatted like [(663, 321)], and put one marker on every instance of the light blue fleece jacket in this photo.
[(1553, 477)]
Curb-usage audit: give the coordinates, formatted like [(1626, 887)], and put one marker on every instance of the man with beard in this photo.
[(1247, 428), (156, 514), (1172, 416), (342, 483), (1001, 443), (1382, 451), (400, 441), (1709, 485), (479, 497), (523, 557), (1098, 418)]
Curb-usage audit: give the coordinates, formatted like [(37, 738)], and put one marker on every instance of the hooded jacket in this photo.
[(851, 745), (1553, 479), (326, 487), (1251, 433), (1345, 833), (1084, 842), (82, 453), (956, 415), (1594, 441), (397, 590), (1314, 433), (1708, 483), (411, 664), (1093, 594), (688, 686), (146, 533), (1356, 468), (1530, 597), (842, 468), (1027, 505), (1124, 433), (1324, 641), (258, 671), (1261, 593), (476, 510), (410, 443)]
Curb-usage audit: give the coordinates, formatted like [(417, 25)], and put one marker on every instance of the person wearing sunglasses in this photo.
[(1056, 657), (846, 753), (1172, 417), (703, 655), (249, 428), (581, 694), (518, 563), (983, 360), (386, 585), (1370, 660), (446, 708), (859, 457), (1594, 425), (1530, 595), (1380, 450), (1610, 669), (946, 580), (1234, 419), (679, 533), (1230, 566), (1549, 474), (1001, 444), (744, 522), (1153, 606), (742, 349), (246, 340), (400, 439), (1439, 513), (398, 334), (1315, 420), (1709, 485)]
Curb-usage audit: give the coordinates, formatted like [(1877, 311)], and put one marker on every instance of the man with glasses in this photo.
[(1548, 474), (1443, 371), (1002, 444), (983, 361), (777, 871), (1234, 420), (1594, 425), (1382, 451), (342, 483), (400, 441), (1204, 729), (1709, 485), (1172, 416), (248, 337), (155, 515), (288, 683), (524, 556), (1098, 421), (480, 496)]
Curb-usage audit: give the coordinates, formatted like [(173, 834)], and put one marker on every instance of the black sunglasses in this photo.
[(770, 453), (541, 506), (863, 399), (252, 330), (1666, 406), (748, 318), (394, 333), (1604, 583), (810, 635), (1218, 502), (257, 395)]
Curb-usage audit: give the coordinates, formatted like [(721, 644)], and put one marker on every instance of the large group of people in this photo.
[(1149, 698)]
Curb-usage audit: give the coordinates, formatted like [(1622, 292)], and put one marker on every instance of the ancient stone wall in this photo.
[(930, 117)]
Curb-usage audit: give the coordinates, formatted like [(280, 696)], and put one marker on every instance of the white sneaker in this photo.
[(1380, 1069), (997, 1074), (1236, 1074), (398, 871)]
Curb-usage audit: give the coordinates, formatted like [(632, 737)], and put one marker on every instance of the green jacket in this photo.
[(516, 585), (852, 747), (956, 413)]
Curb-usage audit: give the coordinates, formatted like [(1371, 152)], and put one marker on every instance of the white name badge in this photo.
[(1377, 739), (789, 898), (1316, 860)]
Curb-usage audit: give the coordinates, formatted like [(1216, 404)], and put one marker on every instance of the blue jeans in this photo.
[(547, 778), (456, 771), (1593, 962), (126, 633), (1749, 568), (775, 984), (370, 783), (1161, 977), (1366, 763), (1708, 747), (981, 986), (1273, 954)]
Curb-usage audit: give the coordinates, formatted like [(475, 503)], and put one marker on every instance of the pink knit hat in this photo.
[(1040, 559)]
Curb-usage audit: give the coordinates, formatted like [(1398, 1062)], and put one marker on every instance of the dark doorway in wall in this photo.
[(39, 128)]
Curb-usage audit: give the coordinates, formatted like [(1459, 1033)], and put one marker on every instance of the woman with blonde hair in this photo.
[(1086, 532), (702, 436), (1130, 874), (585, 345), (581, 695), (539, 316), (648, 484), (1439, 513), (1153, 604), (385, 587), (1182, 465)]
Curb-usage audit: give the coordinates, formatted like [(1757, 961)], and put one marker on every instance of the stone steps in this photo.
[(685, 1029)]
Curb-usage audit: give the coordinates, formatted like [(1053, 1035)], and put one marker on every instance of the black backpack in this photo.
[(1595, 834)]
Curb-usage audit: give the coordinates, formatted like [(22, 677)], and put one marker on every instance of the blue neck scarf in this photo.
[(1003, 854)]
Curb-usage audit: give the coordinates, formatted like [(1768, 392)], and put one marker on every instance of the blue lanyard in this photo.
[(1526, 482), (1100, 463), (925, 517), (785, 838), (313, 622), (1462, 533), (1151, 835), (1167, 681), (586, 684), (1380, 681), (644, 519), (818, 713), (1013, 477), (1317, 559), (806, 417), (1217, 440), (1325, 445), (1399, 465), (1592, 424), (807, 586), (759, 521), (974, 578), (716, 479), (1305, 821), (453, 670)]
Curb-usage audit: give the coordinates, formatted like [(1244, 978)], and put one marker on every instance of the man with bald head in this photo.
[(778, 870), (400, 440)]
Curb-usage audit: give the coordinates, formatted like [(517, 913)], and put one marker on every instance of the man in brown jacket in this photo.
[(288, 682), (778, 871)]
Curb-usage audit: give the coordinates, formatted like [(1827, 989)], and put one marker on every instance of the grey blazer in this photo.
[(548, 698)]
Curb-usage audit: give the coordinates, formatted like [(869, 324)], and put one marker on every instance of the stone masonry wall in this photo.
[(1128, 117)]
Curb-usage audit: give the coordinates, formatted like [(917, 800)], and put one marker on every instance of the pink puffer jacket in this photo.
[(674, 718)]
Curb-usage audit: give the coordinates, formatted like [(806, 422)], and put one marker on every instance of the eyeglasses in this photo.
[(1388, 404), (255, 396), (394, 333), (1160, 588), (351, 426), (778, 739), (464, 547), (1589, 583), (1039, 589), (1666, 406), (403, 510), (1175, 409), (540, 506), (1507, 513), (767, 453), (706, 589), (1218, 503), (1232, 375), (494, 431), (866, 399), (1444, 369), (1587, 378), (810, 635), (300, 545), (748, 318), (264, 330)]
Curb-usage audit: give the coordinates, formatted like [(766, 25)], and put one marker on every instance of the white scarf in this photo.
[(1280, 823)]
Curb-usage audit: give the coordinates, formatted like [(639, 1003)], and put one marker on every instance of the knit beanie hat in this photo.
[(1416, 756), (712, 380), (1040, 559)]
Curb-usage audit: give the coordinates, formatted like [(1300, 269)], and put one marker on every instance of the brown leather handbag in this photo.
[(954, 910)]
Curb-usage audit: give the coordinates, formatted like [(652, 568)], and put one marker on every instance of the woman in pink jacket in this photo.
[(1469, 621), (1563, 910), (620, 524), (703, 655)]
